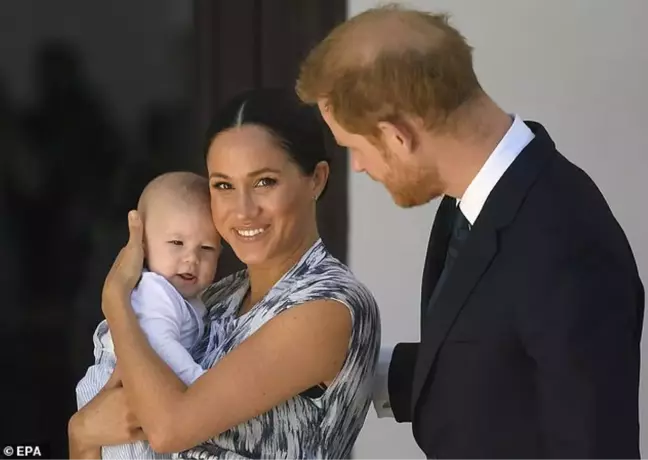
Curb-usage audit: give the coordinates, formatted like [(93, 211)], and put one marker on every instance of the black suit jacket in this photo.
[(531, 349)]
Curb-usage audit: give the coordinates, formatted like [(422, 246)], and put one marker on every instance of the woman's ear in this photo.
[(320, 178)]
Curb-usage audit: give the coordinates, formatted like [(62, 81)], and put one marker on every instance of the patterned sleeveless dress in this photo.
[(324, 426)]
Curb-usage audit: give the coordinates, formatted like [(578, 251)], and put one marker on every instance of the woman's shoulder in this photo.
[(332, 279)]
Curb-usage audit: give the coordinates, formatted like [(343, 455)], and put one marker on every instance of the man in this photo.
[(531, 304)]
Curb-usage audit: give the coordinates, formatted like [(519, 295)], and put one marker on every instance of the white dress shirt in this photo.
[(514, 141)]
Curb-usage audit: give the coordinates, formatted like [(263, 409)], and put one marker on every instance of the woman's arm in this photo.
[(105, 420), (296, 350), (77, 450)]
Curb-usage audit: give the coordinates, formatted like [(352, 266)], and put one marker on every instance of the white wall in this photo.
[(580, 67)]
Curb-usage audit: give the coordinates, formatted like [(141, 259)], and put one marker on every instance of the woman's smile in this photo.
[(251, 233)]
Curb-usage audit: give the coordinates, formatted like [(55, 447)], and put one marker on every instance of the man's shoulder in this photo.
[(566, 204), (565, 219)]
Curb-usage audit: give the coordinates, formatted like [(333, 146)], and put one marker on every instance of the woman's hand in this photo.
[(106, 420), (127, 268)]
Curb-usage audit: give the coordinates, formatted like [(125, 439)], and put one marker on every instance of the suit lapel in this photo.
[(477, 254), (436, 251), (474, 259)]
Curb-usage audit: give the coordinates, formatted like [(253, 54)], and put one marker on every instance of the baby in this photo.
[(181, 248)]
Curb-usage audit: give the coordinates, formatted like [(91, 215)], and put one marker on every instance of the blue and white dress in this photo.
[(306, 426)]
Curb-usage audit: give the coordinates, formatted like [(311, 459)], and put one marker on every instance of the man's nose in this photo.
[(355, 164)]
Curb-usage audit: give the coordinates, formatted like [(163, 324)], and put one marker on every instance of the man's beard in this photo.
[(409, 186), (413, 188)]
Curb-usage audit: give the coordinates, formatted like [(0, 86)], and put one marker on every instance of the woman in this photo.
[(294, 338)]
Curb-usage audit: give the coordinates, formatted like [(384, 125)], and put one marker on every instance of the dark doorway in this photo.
[(259, 43), (95, 99)]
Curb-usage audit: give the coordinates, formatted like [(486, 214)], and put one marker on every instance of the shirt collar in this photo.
[(514, 141)]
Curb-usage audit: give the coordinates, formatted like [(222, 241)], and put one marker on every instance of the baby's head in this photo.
[(180, 241)]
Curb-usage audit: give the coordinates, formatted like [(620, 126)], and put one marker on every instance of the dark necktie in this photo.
[(460, 232)]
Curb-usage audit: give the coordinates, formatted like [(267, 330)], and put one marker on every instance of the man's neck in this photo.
[(464, 154)]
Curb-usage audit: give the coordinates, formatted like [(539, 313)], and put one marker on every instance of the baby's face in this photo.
[(182, 245)]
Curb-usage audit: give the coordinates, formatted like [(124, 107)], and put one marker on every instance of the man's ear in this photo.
[(324, 104), (398, 137)]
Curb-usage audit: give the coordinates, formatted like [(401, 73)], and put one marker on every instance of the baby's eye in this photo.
[(266, 182), (208, 248), (176, 242)]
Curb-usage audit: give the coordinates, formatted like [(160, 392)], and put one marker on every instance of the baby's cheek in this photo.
[(161, 265), (211, 264)]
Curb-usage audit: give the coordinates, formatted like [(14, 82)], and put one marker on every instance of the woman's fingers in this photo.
[(127, 268), (107, 420), (138, 435), (135, 230)]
